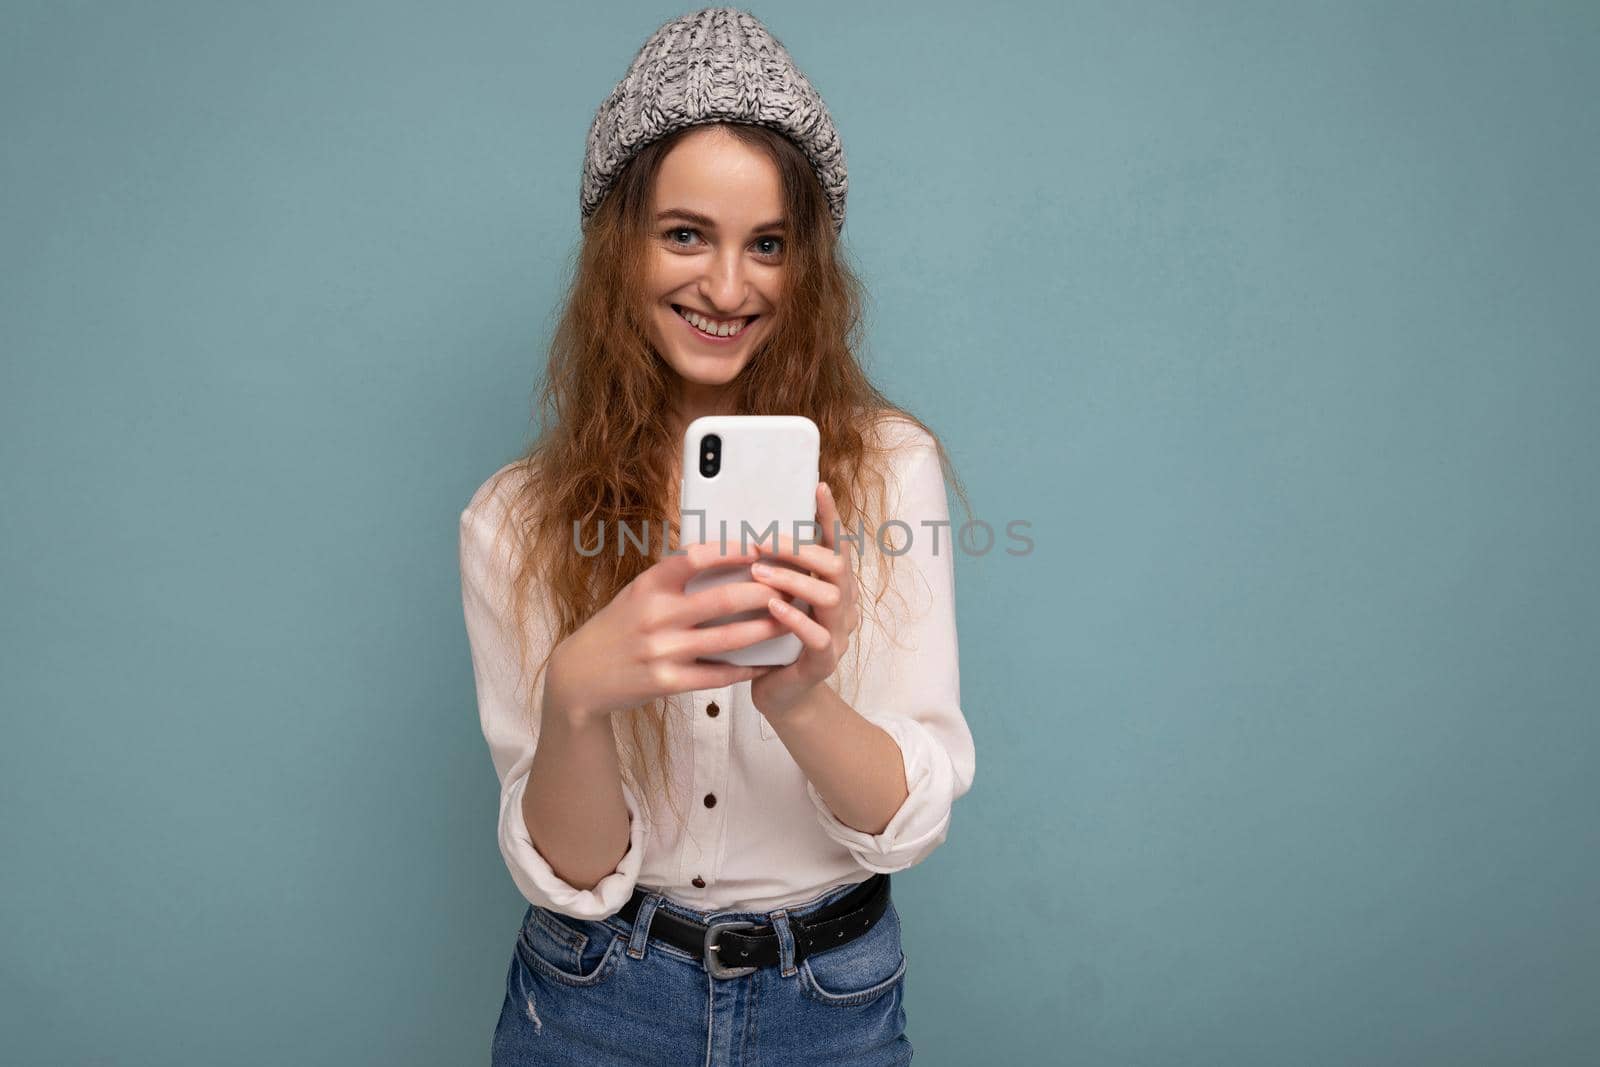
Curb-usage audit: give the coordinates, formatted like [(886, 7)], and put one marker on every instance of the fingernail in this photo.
[(760, 569)]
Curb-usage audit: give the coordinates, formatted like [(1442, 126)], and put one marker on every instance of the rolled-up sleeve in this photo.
[(910, 684), (511, 726)]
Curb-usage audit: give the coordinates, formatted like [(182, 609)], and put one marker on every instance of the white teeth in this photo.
[(725, 329)]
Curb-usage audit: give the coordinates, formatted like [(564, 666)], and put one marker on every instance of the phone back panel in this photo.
[(768, 474)]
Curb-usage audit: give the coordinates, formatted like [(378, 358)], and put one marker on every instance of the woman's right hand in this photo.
[(643, 644)]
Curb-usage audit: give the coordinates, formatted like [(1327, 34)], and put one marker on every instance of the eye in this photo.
[(761, 244)]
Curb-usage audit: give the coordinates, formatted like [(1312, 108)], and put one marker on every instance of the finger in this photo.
[(716, 675), (710, 640), (828, 514), (676, 569), (812, 634), (819, 558), (729, 598), (815, 591)]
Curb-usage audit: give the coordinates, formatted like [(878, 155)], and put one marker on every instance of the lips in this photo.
[(711, 338)]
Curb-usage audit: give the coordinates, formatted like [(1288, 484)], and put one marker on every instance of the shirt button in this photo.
[(711, 800), (699, 882), (712, 709)]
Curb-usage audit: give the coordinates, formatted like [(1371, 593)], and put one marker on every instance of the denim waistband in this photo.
[(685, 911)]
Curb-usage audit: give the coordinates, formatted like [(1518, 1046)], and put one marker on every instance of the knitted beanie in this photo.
[(718, 64)]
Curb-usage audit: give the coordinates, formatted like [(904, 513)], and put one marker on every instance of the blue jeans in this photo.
[(586, 992)]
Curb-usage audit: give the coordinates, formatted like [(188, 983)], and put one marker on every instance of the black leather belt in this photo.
[(749, 946)]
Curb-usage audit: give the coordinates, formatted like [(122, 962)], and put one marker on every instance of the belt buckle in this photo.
[(713, 964)]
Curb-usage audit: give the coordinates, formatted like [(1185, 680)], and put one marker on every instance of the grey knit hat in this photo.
[(718, 64)]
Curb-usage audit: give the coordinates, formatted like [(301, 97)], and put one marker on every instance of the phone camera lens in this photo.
[(710, 455)]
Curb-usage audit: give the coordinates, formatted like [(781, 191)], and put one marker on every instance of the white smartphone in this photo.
[(743, 477)]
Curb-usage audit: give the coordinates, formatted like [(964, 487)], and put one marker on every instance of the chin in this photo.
[(701, 368)]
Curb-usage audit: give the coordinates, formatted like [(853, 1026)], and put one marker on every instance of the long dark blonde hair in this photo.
[(607, 454)]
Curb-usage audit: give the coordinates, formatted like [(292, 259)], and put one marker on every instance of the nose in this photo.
[(723, 284)]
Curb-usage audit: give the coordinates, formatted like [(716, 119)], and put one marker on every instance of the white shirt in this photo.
[(770, 840)]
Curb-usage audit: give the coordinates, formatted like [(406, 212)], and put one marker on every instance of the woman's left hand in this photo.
[(831, 592)]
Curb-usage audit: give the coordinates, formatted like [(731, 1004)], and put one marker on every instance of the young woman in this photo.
[(706, 848)]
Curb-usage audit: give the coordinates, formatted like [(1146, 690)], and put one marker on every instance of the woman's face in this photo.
[(716, 250)]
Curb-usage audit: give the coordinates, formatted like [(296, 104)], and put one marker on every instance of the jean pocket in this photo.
[(859, 971), (576, 952)]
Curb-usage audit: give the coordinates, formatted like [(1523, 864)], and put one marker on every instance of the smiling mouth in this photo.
[(720, 330)]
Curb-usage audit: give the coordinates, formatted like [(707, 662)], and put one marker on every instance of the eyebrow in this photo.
[(703, 220)]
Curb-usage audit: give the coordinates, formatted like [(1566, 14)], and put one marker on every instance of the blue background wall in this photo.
[(1277, 321)]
